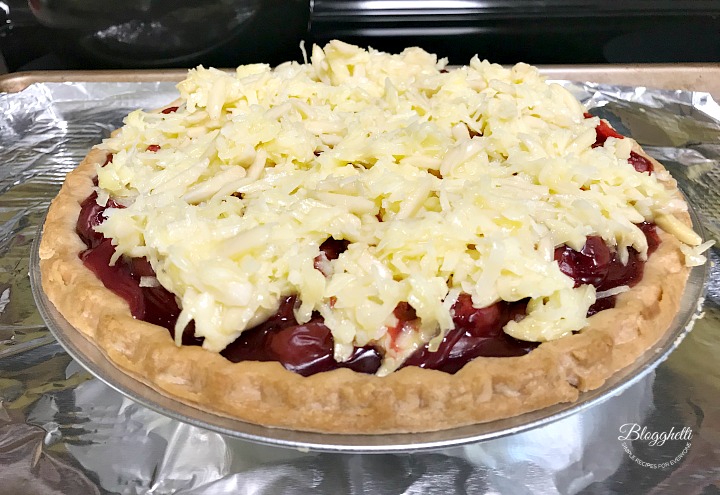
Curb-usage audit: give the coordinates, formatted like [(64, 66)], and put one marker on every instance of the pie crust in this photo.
[(343, 401)]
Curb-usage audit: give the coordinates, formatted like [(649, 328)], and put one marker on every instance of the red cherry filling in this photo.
[(640, 163), (590, 265), (604, 131), (91, 215), (305, 349), (478, 332), (152, 304), (595, 264), (308, 348), (329, 250), (116, 278)]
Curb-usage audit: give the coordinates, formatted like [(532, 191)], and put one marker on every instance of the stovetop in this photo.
[(39, 35)]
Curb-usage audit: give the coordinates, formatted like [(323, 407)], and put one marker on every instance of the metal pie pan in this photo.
[(98, 364)]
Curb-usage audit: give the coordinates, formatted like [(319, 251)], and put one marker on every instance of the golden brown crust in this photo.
[(342, 401)]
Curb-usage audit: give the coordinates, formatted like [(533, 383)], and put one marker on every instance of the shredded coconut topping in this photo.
[(443, 182)]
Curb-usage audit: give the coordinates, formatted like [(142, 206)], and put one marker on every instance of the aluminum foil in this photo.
[(64, 432)]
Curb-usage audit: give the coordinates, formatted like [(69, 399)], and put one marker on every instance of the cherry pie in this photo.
[(369, 243)]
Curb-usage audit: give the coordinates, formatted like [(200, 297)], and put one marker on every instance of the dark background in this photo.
[(92, 34)]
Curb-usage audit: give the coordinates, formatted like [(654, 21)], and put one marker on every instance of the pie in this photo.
[(369, 243)]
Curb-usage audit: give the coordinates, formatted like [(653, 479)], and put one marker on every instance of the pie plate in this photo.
[(99, 365)]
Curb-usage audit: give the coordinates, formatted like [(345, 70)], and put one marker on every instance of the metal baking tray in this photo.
[(15, 82), (691, 77), (59, 416)]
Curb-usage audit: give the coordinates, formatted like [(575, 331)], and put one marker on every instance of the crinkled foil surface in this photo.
[(64, 432)]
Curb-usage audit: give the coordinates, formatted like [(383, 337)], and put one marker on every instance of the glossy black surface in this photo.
[(82, 34), (546, 32)]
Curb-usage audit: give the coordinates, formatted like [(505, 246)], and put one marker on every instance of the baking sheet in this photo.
[(687, 77), (61, 431)]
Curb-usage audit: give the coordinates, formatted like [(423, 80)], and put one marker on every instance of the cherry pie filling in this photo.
[(308, 348)]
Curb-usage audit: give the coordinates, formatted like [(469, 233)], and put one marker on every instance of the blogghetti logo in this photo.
[(675, 442)]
